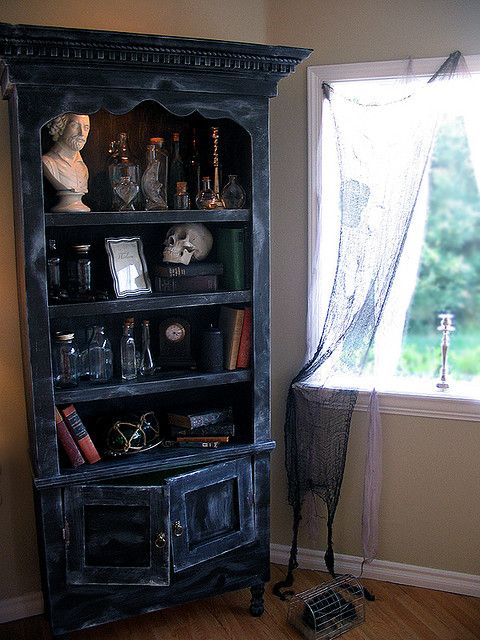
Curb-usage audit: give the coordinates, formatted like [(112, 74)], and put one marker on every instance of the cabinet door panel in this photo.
[(212, 512), (117, 535)]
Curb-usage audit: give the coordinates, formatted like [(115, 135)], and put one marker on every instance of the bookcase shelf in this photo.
[(169, 381), (158, 459), (148, 303), (171, 216), (138, 533)]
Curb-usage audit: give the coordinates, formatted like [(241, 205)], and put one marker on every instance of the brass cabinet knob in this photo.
[(177, 528), (160, 540)]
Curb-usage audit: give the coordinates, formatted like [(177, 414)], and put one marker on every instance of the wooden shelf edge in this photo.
[(149, 462), (169, 382), (148, 303), (95, 218)]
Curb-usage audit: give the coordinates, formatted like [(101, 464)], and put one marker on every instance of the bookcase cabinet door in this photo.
[(117, 535), (212, 512)]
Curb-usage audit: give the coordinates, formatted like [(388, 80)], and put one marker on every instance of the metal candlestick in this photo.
[(216, 172), (446, 327)]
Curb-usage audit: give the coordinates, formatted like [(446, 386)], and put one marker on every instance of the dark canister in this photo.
[(211, 350)]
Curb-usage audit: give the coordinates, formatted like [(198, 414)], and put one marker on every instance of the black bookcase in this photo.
[(137, 533)]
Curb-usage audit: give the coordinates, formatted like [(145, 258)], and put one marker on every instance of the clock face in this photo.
[(175, 332)]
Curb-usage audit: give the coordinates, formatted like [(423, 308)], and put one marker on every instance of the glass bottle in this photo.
[(65, 361), (147, 367), (177, 170), (194, 177), (182, 199), (100, 356), (161, 154), (233, 194), (128, 352), (152, 187), (206, 198), (124, 177), (79, 271), (53, 271)]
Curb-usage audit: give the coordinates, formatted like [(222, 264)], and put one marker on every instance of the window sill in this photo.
[(421, 398)]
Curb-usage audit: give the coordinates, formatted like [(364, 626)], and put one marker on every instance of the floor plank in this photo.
[(398, 613)]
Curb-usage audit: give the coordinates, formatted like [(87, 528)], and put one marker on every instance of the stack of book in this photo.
[(196, 277), (74, 438), (236, 325), (206, 429)]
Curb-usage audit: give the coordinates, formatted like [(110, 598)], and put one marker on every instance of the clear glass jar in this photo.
[(206, 199), (80, 271), (65, 361), (124, 177), (233, 194), (100, 356), (182, 199), (128, 352)]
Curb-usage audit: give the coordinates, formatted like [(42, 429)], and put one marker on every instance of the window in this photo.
[(449, 273)]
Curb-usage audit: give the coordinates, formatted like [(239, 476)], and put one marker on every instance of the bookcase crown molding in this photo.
[(54, 47)]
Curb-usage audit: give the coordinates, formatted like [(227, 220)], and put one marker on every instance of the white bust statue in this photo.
[(63, 165)]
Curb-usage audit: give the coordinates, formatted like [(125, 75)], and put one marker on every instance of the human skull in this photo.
[(185, 242)]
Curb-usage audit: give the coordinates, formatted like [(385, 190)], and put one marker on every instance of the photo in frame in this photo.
[(128, 266)]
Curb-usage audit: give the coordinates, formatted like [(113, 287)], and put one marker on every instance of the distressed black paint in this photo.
[(107, 531)]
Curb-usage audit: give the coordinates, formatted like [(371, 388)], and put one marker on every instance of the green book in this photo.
[(231, 253)]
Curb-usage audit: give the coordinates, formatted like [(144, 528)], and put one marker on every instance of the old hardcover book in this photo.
[(203, 439), (231, 322), (186, 284), (174, 270), (222, 429), (197, 419), (66, 440), (199, 445), (245, 346), (230, 245), (80, 434)]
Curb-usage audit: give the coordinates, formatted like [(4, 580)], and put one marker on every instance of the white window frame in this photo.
[(446, 404)]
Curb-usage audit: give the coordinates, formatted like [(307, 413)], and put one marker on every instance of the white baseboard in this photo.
[(438, 579), (31, 604), (25, 606)]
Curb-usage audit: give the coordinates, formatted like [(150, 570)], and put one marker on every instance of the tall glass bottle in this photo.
[(177, 170), (147, 367), (152, 185), (194, 177), (124, 177), (100, 356), (128, 352), (162, 156), (53, 271)]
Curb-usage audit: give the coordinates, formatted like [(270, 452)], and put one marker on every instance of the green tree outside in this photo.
[(449, 275)]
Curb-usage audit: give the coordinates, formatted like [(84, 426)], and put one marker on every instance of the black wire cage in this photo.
[(328, 610)]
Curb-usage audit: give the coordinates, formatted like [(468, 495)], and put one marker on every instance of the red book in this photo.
[(80, 434), (67, 441), (245, 346)]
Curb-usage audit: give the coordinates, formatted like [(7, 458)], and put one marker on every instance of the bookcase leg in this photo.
[(256, 603)]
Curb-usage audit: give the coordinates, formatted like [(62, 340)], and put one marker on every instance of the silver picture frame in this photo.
[(128, 266)]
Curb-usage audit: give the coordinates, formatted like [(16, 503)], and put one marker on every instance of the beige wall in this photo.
[(430, 509)]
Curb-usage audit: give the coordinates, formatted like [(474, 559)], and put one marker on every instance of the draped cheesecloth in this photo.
[(377, 155)]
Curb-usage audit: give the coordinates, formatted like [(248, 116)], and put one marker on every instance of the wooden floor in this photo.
[(398, 613)]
